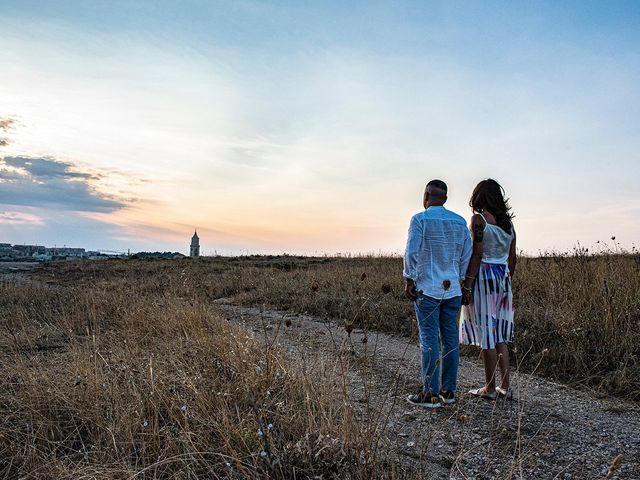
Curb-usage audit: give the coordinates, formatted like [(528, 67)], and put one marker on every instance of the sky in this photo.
[(313, 127)]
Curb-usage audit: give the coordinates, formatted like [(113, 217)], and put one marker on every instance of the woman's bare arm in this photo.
[(512, 255), (477, 233)]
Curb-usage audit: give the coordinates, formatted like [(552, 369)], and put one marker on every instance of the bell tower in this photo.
[(194, 251)]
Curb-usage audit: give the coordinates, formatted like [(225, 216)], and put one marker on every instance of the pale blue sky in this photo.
[(313, 126)]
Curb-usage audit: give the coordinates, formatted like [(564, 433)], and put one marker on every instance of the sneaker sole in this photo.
[(425, 405)]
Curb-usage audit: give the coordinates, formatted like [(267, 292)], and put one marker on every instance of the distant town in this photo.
[(40, 253)]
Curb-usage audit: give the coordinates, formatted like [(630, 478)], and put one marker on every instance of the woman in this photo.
[(487, 318)]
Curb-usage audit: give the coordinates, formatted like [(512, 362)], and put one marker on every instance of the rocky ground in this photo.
[(548, 431)]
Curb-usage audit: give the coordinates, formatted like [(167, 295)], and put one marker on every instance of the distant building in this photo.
[(66, 252), (40, 253), (6, 251), (29, 250), (194, 251)]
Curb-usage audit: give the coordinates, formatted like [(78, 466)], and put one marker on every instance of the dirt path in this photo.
[(549, 431)]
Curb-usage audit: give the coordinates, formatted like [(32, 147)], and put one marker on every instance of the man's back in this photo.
[(438, 252)]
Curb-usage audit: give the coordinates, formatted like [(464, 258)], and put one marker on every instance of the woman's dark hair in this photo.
[(488, 196)]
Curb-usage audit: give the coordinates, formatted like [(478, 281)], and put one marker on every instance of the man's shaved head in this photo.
[(437, 190)]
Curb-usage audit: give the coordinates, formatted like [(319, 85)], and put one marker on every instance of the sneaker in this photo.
[(505, 393), (482, 393), (425, 400), (447, 397)]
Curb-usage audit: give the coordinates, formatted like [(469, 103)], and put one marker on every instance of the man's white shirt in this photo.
[(438, 252)]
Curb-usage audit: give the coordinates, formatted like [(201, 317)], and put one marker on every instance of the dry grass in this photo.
[(581, 310), (120, 369), (105, 382)]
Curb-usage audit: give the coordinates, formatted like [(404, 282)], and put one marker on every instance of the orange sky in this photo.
[(281, 131)]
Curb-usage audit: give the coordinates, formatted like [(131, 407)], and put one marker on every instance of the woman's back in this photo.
[(496, 243)]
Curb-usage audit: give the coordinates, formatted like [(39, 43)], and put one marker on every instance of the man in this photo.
[(435, 261)]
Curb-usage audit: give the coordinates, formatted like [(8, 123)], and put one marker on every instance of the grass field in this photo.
[(120, 369), (578, 315), (101, 380)]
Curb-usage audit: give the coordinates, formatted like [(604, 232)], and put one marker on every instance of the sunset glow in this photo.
[(272, 127)]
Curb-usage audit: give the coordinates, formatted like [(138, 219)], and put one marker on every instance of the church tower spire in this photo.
[(194, 250)]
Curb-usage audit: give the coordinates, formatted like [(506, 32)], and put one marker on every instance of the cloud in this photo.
[(45, 168), (5, 126), (50, 183), (20, 218)]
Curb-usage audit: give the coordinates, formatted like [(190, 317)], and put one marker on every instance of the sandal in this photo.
[(505, 393), (482, 393)]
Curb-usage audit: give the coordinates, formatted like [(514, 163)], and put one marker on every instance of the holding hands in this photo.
[(466, 296), (410, 290), (466, 286)]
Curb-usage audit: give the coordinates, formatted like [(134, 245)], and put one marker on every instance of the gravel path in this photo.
[(548, 431)]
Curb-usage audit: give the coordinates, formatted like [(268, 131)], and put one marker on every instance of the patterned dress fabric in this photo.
[(489, 318)]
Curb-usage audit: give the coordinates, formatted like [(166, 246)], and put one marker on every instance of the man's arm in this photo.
[(467, 249), (410, 272)]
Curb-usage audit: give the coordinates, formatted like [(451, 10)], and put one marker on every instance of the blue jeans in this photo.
[(438, 320)]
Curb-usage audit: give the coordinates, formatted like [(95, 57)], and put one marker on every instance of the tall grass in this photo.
[(581, 310), (107, 382)]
